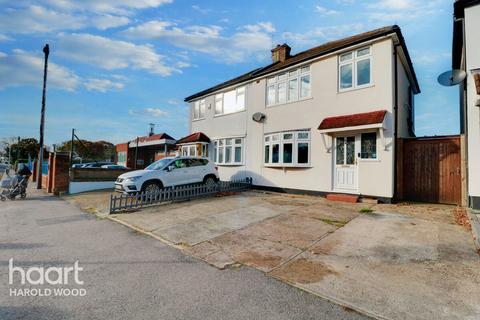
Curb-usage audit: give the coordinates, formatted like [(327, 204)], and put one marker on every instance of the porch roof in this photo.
[(194, 137), (357, 120)]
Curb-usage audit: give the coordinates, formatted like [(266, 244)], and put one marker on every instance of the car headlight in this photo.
[(132, 179)]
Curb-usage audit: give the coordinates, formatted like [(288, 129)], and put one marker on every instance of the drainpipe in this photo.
[(465, 107), (395, 126)]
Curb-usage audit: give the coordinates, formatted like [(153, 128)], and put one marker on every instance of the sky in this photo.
[(116, 66)]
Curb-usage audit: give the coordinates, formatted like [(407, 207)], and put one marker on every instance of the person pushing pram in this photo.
[(16, 185)]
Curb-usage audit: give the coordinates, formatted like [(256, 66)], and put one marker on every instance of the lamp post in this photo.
[(46, 51)]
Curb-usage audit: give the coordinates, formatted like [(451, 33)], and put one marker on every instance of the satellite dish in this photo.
[(259, 117), (451, 77)]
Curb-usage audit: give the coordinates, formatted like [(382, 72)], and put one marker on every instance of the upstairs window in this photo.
[(354, 69), (199, 109), (289, 86), (287, 149), (230, 102)]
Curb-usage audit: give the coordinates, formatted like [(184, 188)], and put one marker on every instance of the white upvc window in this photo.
[(228, 151), (199, 107), (230, 101), (287, 149), (355, 69), (288, 86)]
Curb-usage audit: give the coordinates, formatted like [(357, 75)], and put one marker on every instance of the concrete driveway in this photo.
[(398, 261)]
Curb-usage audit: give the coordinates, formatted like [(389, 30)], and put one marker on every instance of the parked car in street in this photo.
[(92, 164), (167, 172), (113, 166)]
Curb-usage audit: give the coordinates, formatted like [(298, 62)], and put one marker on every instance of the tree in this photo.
[(88, 150), (21, 150)]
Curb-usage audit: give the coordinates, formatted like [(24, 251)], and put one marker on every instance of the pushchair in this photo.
[(14, 187)]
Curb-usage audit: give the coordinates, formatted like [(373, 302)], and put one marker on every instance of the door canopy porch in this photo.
[(197, 137), (353, 122)]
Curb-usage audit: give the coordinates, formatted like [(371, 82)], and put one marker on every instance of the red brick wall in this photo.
[(60, 174)]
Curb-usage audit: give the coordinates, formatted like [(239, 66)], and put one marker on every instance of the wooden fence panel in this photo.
[(432, 170)]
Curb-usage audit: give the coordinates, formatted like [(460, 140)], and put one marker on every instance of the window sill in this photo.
[(227, 114), (229, 164), (356, 88), (287, 103), (267, 165), (368, 160)]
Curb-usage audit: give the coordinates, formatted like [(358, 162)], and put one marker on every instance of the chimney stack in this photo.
[(281, 53), (152, 126)]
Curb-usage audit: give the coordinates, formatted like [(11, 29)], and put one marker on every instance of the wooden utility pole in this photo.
[(46, 51)]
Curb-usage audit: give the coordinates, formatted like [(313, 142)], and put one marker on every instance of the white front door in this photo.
[(345, 164)]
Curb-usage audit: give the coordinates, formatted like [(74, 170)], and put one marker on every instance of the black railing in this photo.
[(178, 193)]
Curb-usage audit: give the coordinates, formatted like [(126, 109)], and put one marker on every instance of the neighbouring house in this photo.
[(324, 120), (142, 151), (466, 56)]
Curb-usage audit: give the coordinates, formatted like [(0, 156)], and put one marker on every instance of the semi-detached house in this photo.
[(324, 120)]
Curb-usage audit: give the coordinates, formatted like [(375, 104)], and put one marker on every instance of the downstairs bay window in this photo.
[(228, 151), (287, 149)]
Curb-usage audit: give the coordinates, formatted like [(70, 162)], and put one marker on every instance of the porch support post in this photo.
[(382, 136), (324, 140)]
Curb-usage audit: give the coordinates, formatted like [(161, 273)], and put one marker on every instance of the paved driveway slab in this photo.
[(394, 266)]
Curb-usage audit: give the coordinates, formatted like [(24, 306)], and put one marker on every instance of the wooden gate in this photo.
[(432, 170)]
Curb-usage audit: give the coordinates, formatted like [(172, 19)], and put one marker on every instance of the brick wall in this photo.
[(95, 174), (60, 173)]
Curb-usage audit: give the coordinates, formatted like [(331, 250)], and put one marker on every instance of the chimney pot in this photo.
[(281, 53)]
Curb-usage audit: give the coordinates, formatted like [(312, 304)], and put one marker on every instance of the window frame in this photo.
[(283, 78), (353, 61), (222, 99), (221, 145), (361, 158), (198, 104), (280, 140)]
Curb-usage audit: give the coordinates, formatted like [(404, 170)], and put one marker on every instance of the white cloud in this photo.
[(107, 6), (319, 35), (37, 19), (250, 41), (23, 68), (430, 58), (150, 112), (395, 11), (325, 11), (5, 38), (173, 102), (112, 54), (200, 9), (102, 85), (108, 21)]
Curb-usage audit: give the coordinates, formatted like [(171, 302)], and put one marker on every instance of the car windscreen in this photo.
[(160, 164)]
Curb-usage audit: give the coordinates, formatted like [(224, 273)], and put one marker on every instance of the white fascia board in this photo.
[(133, 143), (353, 128)]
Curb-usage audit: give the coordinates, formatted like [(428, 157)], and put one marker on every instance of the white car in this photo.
[(168, 172)]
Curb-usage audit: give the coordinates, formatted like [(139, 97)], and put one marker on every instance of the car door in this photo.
[(197, 170), (179, 175)]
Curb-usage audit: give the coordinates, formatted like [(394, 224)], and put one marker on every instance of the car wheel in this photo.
[(210, 182), (151, 187)]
